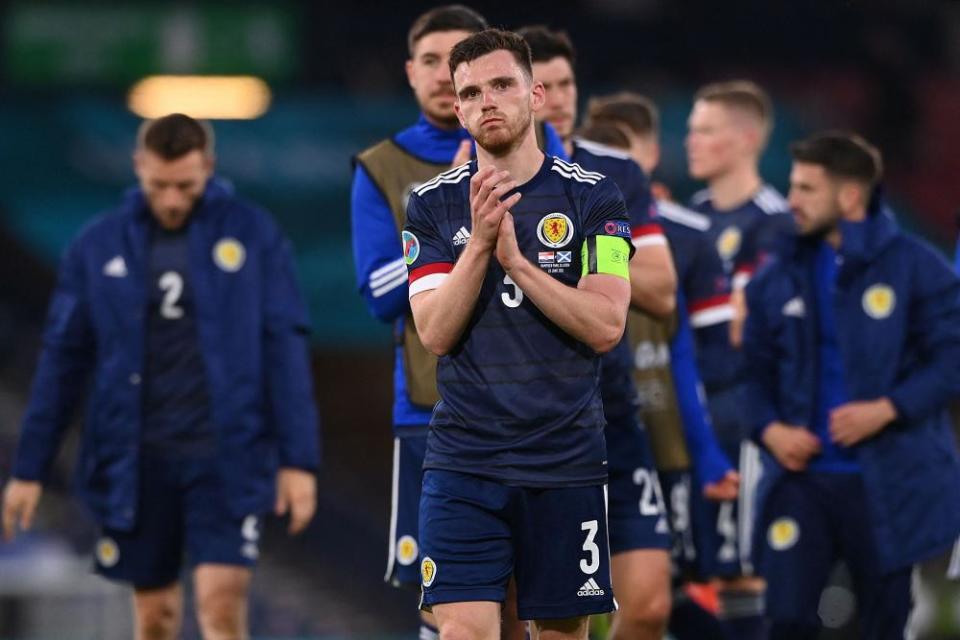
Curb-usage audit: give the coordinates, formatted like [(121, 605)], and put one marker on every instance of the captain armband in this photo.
[(606, 254)]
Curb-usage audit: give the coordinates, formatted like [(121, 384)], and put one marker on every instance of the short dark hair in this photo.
[(842, 154), (605, 132), (175, 135), (488, 41), (636, 112), (547, 44), (449, 17), (744, 95)]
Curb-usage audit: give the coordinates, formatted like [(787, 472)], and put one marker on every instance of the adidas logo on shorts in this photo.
[(461, 237), (590, 588)]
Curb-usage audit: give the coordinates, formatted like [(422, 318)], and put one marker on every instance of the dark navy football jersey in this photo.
[(176, 402), (616, 377), (705, 286), (520, 397), (743, 235)]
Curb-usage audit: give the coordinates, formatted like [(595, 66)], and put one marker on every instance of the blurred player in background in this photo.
[(515, 469), (728, 129), (665, 365), (853, 347), (384, 175), (639, 532), (181, 310)]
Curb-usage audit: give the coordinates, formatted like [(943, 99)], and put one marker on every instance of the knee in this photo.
[(158, 618), (646, 616), (464, 630), (221, 615)]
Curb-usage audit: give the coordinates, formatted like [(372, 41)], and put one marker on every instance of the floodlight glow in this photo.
[(207, 97)]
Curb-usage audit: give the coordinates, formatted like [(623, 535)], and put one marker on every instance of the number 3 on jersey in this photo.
[(171, 283), (512, 298)]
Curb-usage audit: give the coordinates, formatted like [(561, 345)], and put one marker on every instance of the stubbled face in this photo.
[(496, 101), (715, 142), (429, 76), (172, 187), (560, 88), (814, 199)]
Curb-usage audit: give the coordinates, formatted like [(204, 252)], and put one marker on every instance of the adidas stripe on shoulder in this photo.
[(681, 215), (598, 149), (452, 176), (770, 200), (576, 172)]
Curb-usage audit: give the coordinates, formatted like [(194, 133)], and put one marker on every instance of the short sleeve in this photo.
[(606, 248), (428, 256), (641, 208)]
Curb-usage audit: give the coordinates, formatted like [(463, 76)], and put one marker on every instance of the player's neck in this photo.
[(523, 161), (735, 187)]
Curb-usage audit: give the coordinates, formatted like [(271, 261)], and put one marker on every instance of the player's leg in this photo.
[(148, 557), (884, 600), (639, 535), (468, 620), (690, 619), (511, 626), (641, 580), (796, 556), (222, 548), (561, 629), (403, 557), (724, 548), (158, 612), (221, 593), (562, 555), (466, 553)]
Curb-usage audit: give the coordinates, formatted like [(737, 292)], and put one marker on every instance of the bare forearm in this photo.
[(442, 314), (591, 317), (653, 281)]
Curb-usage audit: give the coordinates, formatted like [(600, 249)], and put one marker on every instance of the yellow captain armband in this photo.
[(606, 254)]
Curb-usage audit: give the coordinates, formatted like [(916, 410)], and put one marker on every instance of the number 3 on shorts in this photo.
[(590, 567)]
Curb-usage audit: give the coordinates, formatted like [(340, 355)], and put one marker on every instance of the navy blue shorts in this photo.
[(475, 533), (723, 530), (182, 510), (403, 557), (637, 511), (678, 489), (811, 521)]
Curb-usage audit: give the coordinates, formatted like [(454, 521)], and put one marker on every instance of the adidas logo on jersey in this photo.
[(461, 237), (590, 588)]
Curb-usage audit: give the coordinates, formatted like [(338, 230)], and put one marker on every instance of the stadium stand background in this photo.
[(888, 69)]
